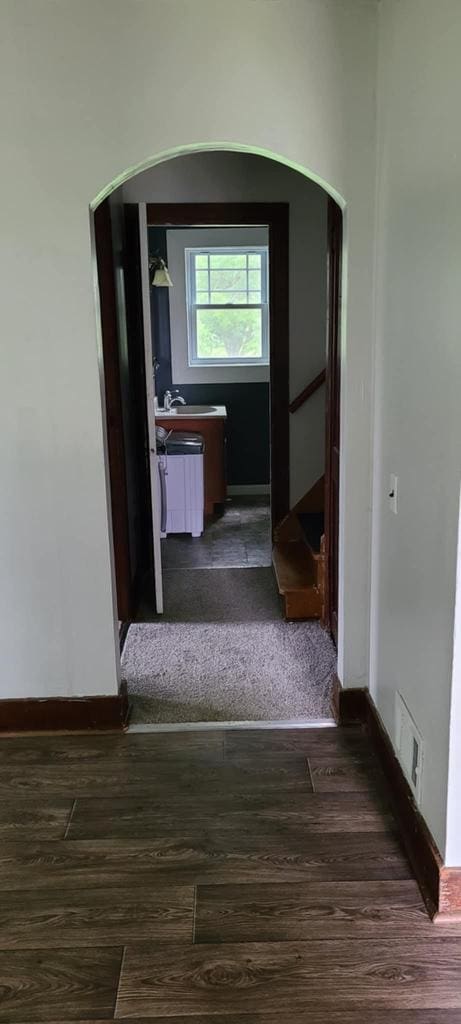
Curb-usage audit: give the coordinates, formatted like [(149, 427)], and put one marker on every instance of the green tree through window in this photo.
[(227, 293)]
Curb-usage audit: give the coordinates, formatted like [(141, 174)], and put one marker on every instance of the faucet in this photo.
[(169, 401)]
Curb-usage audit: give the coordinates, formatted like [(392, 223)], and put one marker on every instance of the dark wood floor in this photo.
[(240, 877)]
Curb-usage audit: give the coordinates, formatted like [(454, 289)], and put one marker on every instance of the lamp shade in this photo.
[(161, 277)]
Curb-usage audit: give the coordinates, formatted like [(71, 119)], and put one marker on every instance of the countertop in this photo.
[(179, 413)]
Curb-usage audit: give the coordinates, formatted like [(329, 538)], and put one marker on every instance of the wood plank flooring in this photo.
[(240, 877)]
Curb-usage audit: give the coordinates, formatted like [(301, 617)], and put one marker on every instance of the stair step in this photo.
[(296, 580), (312, 526), (293, 567)]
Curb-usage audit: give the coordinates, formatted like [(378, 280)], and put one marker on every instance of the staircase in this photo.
[(298, 557)]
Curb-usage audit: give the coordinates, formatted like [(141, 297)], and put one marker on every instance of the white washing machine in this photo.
[(182, 487)]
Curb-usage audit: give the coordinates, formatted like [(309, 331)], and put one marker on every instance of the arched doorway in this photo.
[(327, 562)]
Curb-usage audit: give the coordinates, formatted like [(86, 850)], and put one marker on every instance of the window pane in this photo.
[(201, 280), (201, 261), (254, 298), (254, 259), (254, 280), (228, 280), (232, 261), (222, 298), (229, 333)]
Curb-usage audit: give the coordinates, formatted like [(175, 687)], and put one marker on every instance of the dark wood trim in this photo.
[(438, 890), (139, 458), (113, 407), (213, 214), (311, 388), (122, 634), (332, 407), (276, 217), (335, 699), (352, 705), (65, 714)]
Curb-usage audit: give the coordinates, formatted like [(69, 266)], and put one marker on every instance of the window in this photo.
[(227, 306)]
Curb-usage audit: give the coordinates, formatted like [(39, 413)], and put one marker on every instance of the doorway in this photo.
[(218, 331), (176, 219)]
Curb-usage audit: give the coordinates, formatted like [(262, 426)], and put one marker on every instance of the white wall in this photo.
[(92, 89), (240, 177), (418, 373)]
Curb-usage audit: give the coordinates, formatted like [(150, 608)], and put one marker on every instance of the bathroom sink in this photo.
[(193, 410), (213, 411)]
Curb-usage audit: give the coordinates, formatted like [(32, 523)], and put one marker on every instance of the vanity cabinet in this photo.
[(213, 431)]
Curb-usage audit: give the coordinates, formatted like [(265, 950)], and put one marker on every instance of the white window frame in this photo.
[(192, 306)]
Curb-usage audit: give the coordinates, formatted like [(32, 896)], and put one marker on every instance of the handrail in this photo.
[(311, 388)]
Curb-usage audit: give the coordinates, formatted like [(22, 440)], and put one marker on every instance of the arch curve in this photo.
[(216, 147)]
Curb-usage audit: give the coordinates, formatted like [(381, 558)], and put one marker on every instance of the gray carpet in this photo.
[(217, 595), (224, 653)]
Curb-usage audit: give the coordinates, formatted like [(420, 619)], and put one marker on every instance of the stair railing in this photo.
[(311, 388)]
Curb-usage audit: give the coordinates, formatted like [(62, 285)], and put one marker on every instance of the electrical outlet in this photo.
[(393, 487), (409, 746)]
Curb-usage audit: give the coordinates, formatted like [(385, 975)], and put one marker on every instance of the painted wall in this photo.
[(240, 177), (89, 95), (418, 374)]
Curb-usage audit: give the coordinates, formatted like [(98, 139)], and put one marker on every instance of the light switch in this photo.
[(393, 487)]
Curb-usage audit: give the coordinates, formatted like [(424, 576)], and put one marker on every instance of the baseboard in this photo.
[(335, 699), (65, 714), (353, 705), (234, 490), (449, 893), (440, 886)]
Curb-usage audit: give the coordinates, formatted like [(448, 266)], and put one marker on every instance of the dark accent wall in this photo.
[(248, 405), (160, 318), (248, 434)]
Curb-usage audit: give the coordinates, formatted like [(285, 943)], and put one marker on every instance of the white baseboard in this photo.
[(244, 489)]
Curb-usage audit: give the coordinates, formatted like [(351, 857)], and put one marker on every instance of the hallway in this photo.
[(222, 876)]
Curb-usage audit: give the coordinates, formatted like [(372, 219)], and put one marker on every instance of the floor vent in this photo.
[(409, 746)]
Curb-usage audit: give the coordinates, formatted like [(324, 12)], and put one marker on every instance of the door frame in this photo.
[(333, 415), (275, 216), (150, 408), (104, 248)]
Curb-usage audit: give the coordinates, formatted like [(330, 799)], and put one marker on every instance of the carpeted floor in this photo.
[(217, 595), (224, 653)]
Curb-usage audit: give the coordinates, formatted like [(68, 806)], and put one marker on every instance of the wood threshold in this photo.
[(285, 723)]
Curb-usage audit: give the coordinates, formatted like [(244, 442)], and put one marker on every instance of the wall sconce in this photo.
[(161, 278)]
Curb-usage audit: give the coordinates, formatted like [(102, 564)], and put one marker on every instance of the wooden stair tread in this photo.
[(293, 566), (294, 569), (299, 556), (312, 528)]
